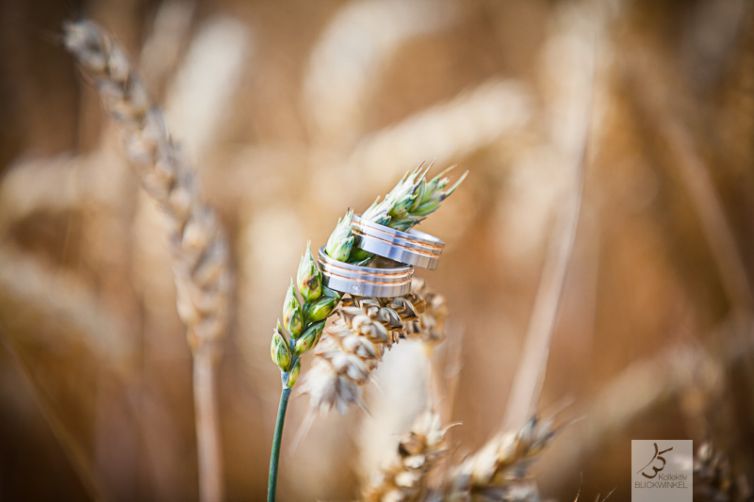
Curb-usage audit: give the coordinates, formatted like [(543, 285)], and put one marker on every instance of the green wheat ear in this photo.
[(410, 201), (308, 303), (306, 306), (341, 240)]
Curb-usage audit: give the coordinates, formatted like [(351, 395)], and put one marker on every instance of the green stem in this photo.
[(272, 480)]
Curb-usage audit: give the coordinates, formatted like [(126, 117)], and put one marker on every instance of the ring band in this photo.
[(414, 248), (365, 281)]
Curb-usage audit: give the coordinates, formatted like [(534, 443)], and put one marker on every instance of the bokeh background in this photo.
[(293, 111)]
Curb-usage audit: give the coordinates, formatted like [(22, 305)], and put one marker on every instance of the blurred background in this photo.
[(293, 111)]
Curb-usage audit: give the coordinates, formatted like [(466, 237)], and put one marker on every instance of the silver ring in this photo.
[(414, 248), (365, 281)]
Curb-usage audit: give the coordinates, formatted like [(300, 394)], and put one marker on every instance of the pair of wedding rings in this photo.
[(402, 250)]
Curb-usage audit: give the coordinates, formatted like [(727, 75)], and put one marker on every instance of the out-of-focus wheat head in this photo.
[(404, 478), (496, 471), (201, 266), (338, 83)]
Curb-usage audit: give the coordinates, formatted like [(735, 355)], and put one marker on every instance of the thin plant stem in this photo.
[(277, 438), (207, 427), (529, 379)]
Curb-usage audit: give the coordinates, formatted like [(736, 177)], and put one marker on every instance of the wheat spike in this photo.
[(404, 478), (200, 251), (309, 304), (363, 328), (498, 470)]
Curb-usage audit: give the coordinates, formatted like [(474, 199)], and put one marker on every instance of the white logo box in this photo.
[(662, 470)]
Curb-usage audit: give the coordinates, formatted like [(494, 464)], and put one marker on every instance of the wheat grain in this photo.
[(200, 249), (200, 253), (353, 344), (429, 327)]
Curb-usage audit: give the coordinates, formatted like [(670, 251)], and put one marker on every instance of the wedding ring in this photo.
[(365, 281), (414, 248)]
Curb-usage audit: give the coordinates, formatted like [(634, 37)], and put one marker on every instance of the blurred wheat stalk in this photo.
[(200, 251)]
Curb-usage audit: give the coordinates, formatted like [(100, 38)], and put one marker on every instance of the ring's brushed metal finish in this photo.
[(413, 247), (365, 281)]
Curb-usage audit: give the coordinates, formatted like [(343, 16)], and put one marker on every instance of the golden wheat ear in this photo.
[(200, 250), (501, 465), (352, 345)]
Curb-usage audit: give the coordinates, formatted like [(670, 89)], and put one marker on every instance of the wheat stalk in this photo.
[(573, 142), (308, 304), (404, 478), (200, 252)]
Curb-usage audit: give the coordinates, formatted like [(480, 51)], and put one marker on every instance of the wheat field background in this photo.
[(293, 111)]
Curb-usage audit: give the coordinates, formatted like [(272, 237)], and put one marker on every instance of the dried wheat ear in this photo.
[(198, 244), (199, 247), (404, 478), (353, 343), (498, 471)]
